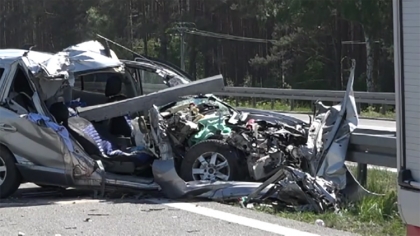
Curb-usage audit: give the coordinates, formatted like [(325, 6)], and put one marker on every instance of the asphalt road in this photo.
[(75, 213), (384, 125)]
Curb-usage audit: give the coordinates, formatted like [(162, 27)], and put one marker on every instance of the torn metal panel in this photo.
[(235, 190), (90, 55), (53, 71), (344, 121), (145, 102), (174, 187), (9, 56), (81, 57)]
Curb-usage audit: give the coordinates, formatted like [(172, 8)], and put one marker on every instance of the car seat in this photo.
[(118, 125), (86, 134)]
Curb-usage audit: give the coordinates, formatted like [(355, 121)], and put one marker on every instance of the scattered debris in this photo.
[(21, 234), (98, 214), (73, 227), (320, 222), (153, 209), (87, 220)]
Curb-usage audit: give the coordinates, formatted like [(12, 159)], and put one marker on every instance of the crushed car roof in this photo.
[(8, 56), (85, 56)]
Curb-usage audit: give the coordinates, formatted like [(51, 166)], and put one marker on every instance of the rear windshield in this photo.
[(1, 72)]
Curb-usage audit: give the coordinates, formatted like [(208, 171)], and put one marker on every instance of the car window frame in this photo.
[(2, 70), (128, 83)]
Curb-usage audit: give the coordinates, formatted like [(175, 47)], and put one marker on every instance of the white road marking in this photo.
[(80, 201), (40, 202), (256, 224)]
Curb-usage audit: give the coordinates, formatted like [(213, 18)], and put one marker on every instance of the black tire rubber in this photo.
[(13, 177), (210, 145)]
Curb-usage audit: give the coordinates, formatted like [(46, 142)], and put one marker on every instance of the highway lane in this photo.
[(74, 213), (383, 125)]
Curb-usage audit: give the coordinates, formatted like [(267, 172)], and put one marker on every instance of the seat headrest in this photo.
[(113, 86), (60, 112)]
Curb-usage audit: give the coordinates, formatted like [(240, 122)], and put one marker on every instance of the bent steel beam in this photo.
[(145, 102)]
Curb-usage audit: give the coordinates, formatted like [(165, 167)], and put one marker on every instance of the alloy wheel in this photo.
[(211, 166)]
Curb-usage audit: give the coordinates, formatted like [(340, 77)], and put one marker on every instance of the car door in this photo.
[(40, 152)]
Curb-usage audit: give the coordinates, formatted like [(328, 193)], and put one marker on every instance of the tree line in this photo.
[(300, 44)]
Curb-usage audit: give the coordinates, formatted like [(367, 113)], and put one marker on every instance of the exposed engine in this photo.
[(181, 126), (267, 146), (192, 120)]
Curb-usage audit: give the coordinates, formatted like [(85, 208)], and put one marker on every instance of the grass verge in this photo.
[(369, 112), (372, 216)]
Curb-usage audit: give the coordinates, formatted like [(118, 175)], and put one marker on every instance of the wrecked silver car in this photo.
[(49, 138)]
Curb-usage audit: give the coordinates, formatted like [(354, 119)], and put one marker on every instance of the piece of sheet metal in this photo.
[(337, 140), (174, 187), (145, 102)]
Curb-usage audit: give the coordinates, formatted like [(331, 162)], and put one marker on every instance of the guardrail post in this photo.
[(254, 102), (359, 108), (236, 101), (362, 174), (384, 108), (272, 104), (292, 104)]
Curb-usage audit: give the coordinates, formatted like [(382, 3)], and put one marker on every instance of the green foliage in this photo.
[(306, 54)]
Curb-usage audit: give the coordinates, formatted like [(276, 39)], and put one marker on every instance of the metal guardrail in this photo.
[(379, 150), (385, 99), (308, 95), (289, 94)]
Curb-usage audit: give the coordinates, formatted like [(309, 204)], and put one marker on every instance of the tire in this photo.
[(206, 148), (11, 178)]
